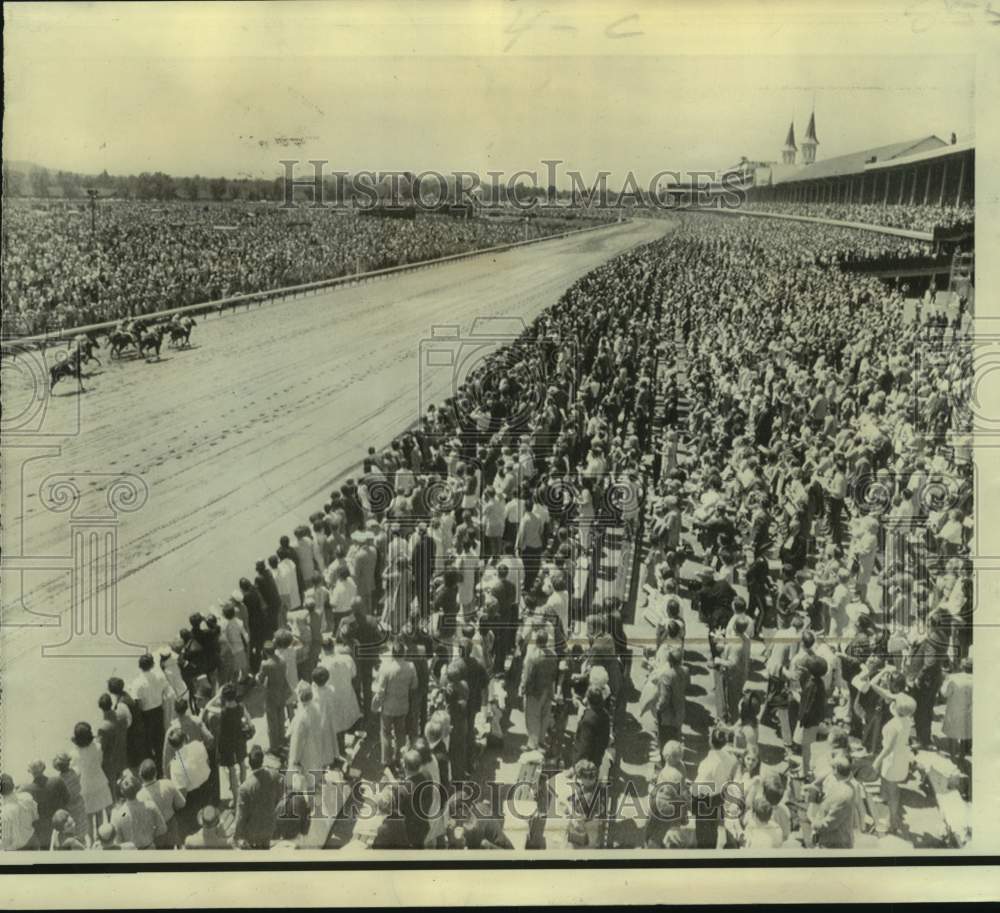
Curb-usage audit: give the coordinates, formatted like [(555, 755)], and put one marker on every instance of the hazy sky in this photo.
[(217, 89)]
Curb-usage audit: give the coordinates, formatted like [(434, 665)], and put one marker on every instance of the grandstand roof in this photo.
[(925, 155), (853, 162)]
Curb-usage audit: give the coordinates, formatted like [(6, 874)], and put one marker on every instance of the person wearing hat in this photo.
[(892, 763), (212, 835), (95, 791), (134, 821), (50, 795)]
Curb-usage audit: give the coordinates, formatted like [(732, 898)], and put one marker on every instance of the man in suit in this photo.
[(715, 605), (832, 818), (505, 593), (538, 688), (414, 800), (257, 808), (593, 730), (422, 557), (276, 696), (395, 690), (258, 622)]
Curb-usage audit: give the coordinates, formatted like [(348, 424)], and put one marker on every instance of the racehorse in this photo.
[(72, 366), (85, 344), (180, 331), (120, 341), (150, 340)]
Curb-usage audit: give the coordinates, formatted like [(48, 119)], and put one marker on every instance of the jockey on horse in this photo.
[(72, 366)]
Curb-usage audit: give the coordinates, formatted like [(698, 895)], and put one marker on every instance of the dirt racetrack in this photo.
[(236, 440)]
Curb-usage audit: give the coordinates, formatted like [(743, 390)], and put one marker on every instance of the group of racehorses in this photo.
[(143, 335)]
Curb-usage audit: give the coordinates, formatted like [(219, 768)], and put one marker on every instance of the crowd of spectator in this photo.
[(828, 468), (912, 216), (819, 460), (141, 257)]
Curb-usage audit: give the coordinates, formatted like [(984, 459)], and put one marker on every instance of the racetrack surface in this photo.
[(237, 440)]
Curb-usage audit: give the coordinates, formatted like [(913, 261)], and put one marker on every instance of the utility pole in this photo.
[(92, 193)]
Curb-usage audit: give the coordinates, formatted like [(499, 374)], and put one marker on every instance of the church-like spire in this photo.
[(811, 129), (810, 143), (788, 153)]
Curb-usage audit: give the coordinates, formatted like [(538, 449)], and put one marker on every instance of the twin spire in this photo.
[(809, 144)]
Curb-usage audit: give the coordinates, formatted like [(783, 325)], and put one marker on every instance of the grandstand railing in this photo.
[(862, 226), (235, 301)]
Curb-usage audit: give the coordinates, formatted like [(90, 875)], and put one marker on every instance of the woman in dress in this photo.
[(893, 762), (957, 725), (234, 729), (87, 759)]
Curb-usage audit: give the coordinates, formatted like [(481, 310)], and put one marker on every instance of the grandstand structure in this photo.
[(922, 171), (925, 170)]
